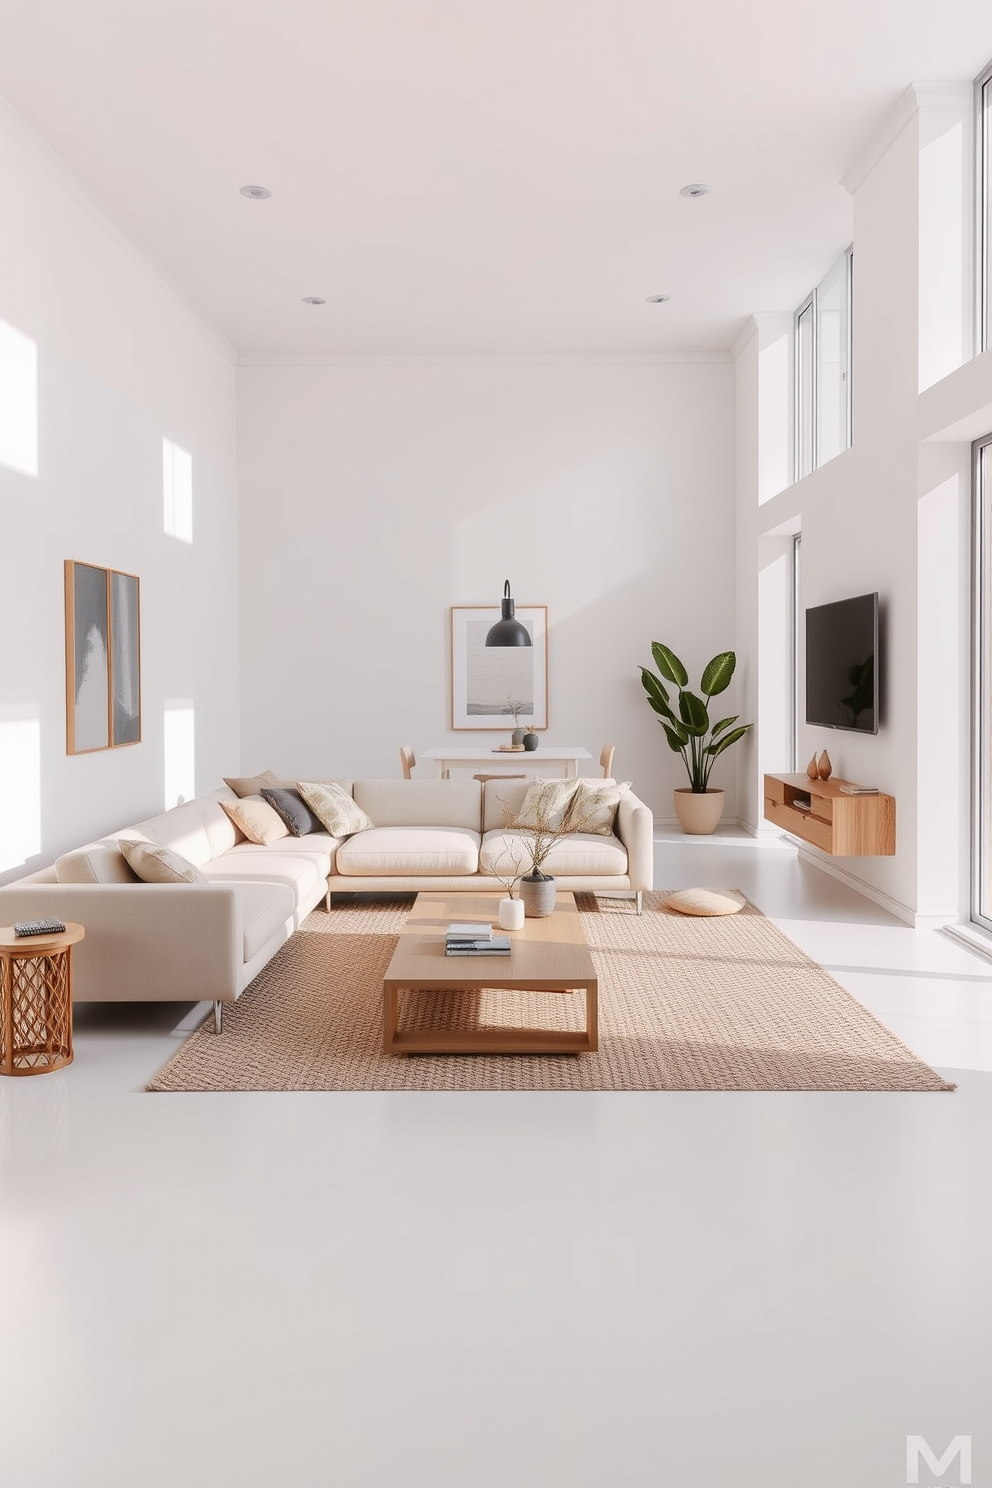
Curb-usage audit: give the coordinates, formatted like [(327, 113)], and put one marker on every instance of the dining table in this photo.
[(447, 757)]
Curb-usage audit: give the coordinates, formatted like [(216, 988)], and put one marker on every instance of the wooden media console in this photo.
[(842, 825)]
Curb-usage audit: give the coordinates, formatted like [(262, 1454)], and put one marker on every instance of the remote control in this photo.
[(39, 927)]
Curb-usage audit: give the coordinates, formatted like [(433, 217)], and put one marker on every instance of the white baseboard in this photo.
[(877, 896)]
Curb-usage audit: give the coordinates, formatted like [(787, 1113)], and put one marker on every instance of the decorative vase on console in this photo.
[(530, 742), (517, 738)]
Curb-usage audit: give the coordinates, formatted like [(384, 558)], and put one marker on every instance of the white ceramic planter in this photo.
[(699, 812), (511, 914)]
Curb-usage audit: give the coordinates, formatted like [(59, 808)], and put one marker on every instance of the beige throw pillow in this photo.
[(594, 806), (335, 807), (259, 821), (154, 864), (549, 800), (249, 785)]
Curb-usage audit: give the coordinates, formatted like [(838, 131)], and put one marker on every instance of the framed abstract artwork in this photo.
[(488, 681), (102, 658)]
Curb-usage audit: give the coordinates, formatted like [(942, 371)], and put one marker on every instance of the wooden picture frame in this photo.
[(485, 679), (102, 658)]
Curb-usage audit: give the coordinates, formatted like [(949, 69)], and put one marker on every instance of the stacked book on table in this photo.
[(475, 940)]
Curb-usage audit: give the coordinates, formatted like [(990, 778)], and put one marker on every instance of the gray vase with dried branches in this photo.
[(539, 834)]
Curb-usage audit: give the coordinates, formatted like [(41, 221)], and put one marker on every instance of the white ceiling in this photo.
[(478, 176)]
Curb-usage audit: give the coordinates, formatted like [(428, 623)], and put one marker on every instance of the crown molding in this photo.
[(918, 95), (482, 359), (21, 134)]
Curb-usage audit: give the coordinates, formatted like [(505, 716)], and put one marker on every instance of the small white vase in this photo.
[(511, 914)]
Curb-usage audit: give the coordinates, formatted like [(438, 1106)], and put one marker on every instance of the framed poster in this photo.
[(102, 658), (487, 682)]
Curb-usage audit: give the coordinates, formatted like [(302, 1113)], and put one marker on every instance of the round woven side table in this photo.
[(36, 1000)]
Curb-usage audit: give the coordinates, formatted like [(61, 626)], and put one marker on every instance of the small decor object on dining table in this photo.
[(691, 734)]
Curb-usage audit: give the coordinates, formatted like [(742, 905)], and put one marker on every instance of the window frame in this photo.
[(983, 209), (981, 672), (810, 304)]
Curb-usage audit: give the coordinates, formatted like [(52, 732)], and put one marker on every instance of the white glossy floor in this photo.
[(592, 1291)]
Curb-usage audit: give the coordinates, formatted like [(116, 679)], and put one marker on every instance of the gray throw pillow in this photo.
[(293, 809)]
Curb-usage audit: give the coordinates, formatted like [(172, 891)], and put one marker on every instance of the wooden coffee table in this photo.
[(547, 955)]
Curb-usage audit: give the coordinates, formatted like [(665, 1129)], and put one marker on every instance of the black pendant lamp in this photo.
[(507, 631)]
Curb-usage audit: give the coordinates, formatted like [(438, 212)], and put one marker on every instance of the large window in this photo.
[(823, 370), (983, 113), (982, 706)]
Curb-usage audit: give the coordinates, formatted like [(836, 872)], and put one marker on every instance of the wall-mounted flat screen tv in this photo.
[(842, 664)]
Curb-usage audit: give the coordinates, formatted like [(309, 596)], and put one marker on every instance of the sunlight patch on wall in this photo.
[(18, 401), (20, 784), (180, 752), (177, 491)]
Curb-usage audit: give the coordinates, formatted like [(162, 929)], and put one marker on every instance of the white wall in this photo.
[(890, 514), (375, 495), (121, 362)]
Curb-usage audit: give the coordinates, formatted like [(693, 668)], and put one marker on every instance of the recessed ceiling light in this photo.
[(658, 299), (313, 300), (257, 193), (695, 188)]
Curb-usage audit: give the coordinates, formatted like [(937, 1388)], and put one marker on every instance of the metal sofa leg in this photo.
[(218, 1017), (640, 901), (327, 901)]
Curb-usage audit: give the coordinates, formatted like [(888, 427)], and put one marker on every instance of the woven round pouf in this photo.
[(706, 901)]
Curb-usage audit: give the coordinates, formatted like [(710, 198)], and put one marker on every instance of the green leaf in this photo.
[(669, 665), (694, 714), (717, 673), (656, 691), (718, 728), (727, 740), (674, 742)]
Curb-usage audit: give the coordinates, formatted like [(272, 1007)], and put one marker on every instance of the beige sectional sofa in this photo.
[(192, 942)]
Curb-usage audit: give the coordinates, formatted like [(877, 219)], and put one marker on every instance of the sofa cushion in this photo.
[(256, 819), (421, 803), (265, 908), (249, 785), (500, 796), (578, 853), (335, 808), (294, 811), (318, 847), (546, 803), (160, 865), (594, 805), (100, 862), (266, 864), (385, 852)]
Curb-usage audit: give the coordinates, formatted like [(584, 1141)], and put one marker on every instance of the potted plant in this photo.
[(689, 732), (548, 824), (511, 911), (517, 736)]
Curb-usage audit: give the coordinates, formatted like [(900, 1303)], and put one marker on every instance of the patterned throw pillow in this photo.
[(594, 806), (256, 819), (250, 785), (335, 808), (154, 864), (549, 799), (293, 809)]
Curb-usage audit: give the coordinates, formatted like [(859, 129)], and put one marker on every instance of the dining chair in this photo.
[(606, 760), (407, 759)]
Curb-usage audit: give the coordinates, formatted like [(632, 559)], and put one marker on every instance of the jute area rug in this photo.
[(684, 1004)]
